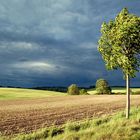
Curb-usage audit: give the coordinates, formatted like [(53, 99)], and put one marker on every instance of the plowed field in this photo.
[(28, 115)]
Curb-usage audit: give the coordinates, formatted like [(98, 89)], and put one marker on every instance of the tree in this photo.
[(119, 45), (102, 87), (83, 92), (73, 90)]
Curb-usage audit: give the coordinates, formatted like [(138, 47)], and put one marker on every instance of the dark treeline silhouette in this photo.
[(60, 89)]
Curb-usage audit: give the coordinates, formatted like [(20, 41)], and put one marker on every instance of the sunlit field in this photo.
[(69, 70), (118, 90), (44, 112), (17, 93)]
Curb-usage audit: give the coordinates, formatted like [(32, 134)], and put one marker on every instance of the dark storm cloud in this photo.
[(49, 42)]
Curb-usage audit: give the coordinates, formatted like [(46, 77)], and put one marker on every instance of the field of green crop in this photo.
[(118, 90), (114, 127), (17, 93)]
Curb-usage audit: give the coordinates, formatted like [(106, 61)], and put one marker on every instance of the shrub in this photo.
[(102, 87), (83, 92), (73, 90)]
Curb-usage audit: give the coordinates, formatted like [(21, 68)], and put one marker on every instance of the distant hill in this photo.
[(20, 93)]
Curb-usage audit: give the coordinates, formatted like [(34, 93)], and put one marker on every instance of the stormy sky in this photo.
[(54, 42)]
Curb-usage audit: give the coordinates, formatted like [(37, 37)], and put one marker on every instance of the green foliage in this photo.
[(44, 133), (83, 92), (73, 90), (120, 43), (54, 131), (102, 87), (72, 127)]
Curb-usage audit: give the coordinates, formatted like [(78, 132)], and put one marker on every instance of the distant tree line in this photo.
[(58, 89), (102, 87), (61, 89)]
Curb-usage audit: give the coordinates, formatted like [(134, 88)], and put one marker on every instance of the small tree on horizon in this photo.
[(83, 92), (119, 45), (102, 87), (73, 90)]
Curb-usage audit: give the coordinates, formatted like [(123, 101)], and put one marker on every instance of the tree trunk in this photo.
[(127, 96)]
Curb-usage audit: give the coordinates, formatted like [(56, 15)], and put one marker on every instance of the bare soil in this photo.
[(28, 115)]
